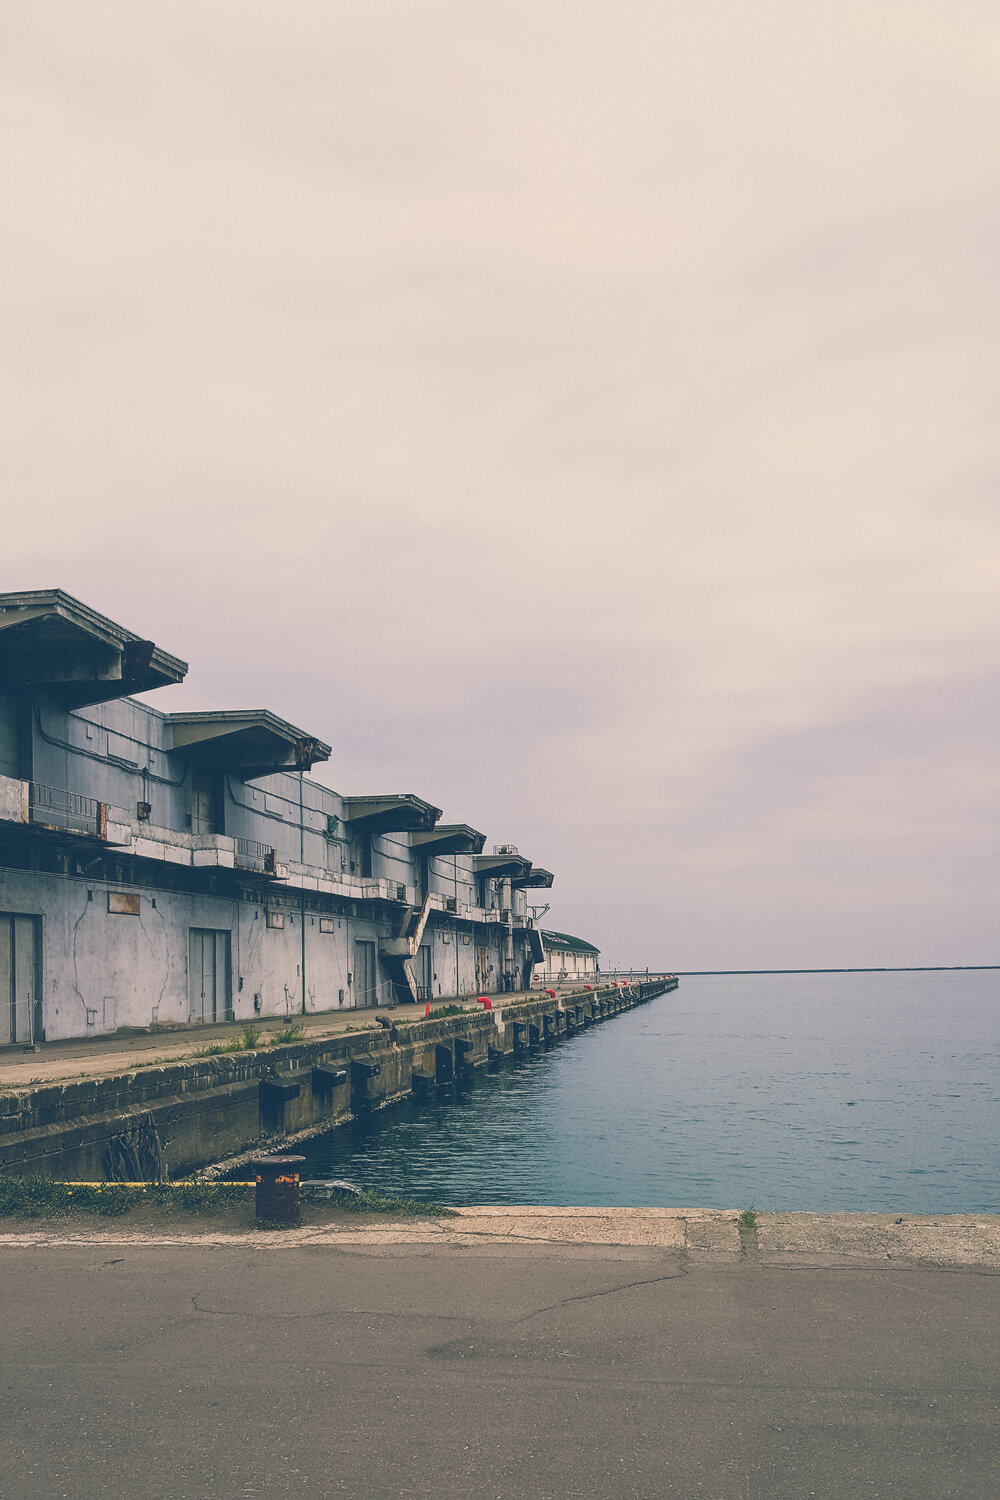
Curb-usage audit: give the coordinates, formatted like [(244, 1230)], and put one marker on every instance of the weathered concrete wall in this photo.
[(150, 849), (212, 1107), (102, 971)]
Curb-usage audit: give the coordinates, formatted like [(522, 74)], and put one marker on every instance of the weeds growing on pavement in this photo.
[(286, 1034), (370, 1202)]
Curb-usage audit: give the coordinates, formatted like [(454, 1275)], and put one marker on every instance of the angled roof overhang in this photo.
[(501, 866), (51, 642), (567, 941), (249, 742), (536, 879), (449, 838), (402, 813)]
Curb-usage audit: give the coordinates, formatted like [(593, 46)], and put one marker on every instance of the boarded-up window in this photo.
[(123, 903)]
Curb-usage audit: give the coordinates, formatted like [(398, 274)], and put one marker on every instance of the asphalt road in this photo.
[(505, 1372)]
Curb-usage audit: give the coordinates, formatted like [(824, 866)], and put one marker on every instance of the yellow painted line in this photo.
[(61, 1183)]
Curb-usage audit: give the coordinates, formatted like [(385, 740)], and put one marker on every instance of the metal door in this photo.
[(201, 802), (9, 758), (20, 990), (209, 988), (424, 972), (365, 983)]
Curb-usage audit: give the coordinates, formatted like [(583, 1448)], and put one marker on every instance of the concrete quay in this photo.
[(513, 1353), (185, 1111)]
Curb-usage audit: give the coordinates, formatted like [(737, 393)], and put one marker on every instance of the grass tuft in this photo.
[(247, 1040), (370, 1202), (287, 1034), (748, 1218)]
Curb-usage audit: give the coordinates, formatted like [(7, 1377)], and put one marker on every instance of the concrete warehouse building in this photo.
[(176, 867)]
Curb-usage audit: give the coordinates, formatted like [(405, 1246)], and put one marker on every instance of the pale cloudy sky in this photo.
[(582, 414)]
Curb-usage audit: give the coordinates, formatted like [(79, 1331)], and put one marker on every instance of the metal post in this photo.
[(277, 1182)]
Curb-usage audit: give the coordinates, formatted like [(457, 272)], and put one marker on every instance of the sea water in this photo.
[(831, 1092)]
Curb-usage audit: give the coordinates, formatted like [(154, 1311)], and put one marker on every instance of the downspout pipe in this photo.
[(302, 891)]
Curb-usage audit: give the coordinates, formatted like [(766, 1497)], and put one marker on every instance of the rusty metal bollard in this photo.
[(277, 1178)]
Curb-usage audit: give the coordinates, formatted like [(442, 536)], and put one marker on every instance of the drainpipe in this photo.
[(302, 890), (507, 902)]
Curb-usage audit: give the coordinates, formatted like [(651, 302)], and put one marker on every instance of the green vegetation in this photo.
[(748, 1218), (446, 1010), (250, 1039), (41, 1197), (214, 1049), (287, 1034), (370, 1202)]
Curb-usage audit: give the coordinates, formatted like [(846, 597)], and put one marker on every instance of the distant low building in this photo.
[(567, 957)]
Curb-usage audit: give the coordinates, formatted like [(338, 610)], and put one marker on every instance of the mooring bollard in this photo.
[(277, 1179)]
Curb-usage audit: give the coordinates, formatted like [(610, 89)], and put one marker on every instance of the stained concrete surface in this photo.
[(492, 1356), (100, 1056)]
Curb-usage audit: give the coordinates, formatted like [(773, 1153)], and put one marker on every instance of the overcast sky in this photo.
[(581, 414)]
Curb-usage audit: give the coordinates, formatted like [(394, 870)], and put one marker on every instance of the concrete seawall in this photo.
[(189, 1114)]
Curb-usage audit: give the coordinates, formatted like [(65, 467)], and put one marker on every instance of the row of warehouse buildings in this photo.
[(161, 868)]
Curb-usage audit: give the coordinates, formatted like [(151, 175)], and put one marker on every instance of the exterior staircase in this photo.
[(397, 953)]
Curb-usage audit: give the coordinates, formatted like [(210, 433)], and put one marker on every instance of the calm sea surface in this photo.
[(810, 1091)]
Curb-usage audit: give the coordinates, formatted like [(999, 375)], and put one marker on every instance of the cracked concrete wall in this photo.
[(102, 970)]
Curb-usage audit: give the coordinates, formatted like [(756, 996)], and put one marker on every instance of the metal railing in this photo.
[(251, 854), (55, 807), (381, 995)]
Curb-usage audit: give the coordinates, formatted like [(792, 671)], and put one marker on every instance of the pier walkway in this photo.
[(101, 1056)]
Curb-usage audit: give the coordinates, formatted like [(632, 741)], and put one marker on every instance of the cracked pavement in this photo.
[(518, 1354)]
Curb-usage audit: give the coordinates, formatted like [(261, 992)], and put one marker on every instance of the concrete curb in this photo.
[(888, 1241)]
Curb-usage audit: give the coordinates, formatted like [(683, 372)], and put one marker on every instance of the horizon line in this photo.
[(864, 969)]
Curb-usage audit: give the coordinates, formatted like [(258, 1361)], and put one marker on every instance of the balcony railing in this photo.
[(253, 855), (55, 807)]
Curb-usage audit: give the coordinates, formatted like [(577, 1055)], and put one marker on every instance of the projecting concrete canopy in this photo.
[(501, 866), (401, 813), (249, 742), (536, 879), (50, 641), (449, 838)]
